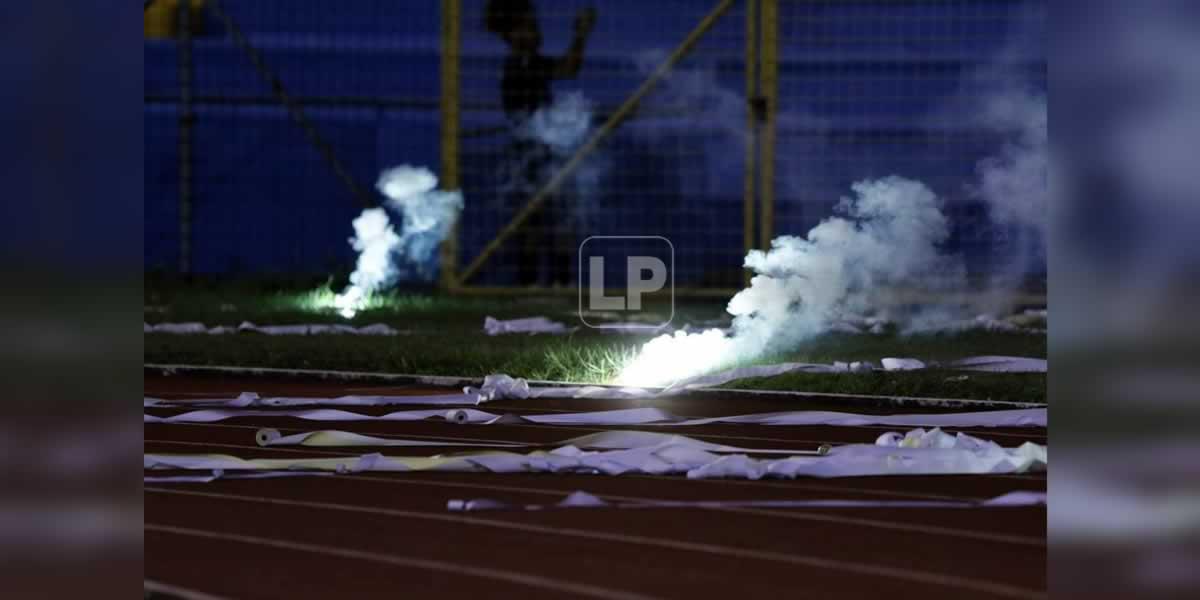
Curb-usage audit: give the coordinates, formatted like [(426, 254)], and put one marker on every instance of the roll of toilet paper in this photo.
[(458, 416), (264, 437)]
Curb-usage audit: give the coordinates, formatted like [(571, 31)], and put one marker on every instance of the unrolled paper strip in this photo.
[(221, 474), (251, 399), (961, 455), (1026, 417), (326, 439), (530, 325), (581, 499), (248, 327), (606, 440)]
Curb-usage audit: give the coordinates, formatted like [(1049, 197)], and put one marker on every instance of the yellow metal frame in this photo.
[(451, 49), (748, 193), (769, 92)]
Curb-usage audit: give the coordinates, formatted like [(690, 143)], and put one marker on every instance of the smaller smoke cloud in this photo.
[(557, 132), (385, 254), (1014, 182), (562, 126), (888, 236), (428, 214)]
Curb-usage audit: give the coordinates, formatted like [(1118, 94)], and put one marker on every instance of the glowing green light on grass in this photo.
[(349, 302)]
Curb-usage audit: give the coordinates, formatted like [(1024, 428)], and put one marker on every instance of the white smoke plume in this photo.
[(1014, 182), (385, 254), (563, 125), (559, 129), (889, 235)]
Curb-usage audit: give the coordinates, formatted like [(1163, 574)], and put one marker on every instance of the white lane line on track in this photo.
[(776, 483), (176, 592), (858, 568), (448, 568), (923, 529)]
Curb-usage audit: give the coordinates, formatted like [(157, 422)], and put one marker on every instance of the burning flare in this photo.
[(428, 216)]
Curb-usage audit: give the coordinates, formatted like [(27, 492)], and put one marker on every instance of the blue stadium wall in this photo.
[(265, 202)]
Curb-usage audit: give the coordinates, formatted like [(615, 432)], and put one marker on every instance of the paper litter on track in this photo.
[(582, 499), (958, 455), (1026, 417)]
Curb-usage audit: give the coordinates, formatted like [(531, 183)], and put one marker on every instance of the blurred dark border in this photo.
[(1125, 281), (71, 163)]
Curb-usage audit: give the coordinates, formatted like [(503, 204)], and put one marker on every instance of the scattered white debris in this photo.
[(902, 364), (192, 328), (530, 325), (582, 499), (1025, 417), (1001, 364), (671, 457)]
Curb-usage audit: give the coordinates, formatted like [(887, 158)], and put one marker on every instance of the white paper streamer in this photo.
[(606, 440), (530, 326), (192, 328), (221, 474), (1025, 417), (251, 399), (333, 438), (902, 364), (966, 456), (318, 414), (1001, 364), (582, 499)]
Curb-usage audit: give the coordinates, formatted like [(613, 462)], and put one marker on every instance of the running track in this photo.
[(385, 535)]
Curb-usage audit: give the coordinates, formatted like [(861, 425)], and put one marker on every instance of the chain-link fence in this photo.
[(670, 164), (268, 121), (873, 88)]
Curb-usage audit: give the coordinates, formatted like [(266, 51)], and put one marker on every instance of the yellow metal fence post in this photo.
[(749, 198), (769, 90), (451, 42)]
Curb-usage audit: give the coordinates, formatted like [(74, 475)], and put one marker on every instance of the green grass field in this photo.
[(444, 336)]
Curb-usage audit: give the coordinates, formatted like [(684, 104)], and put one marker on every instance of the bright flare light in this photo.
[(669, 358), (889, 235), (374, 238)]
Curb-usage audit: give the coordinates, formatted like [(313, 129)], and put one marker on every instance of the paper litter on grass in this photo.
[(193, 328)]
